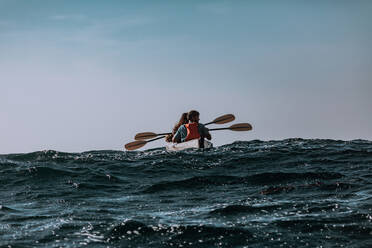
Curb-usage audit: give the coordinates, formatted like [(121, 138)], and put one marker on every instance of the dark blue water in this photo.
[(289, 193)]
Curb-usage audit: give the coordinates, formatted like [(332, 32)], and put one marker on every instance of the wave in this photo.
[(6, 209), (242, 209), (296, 145), (330, 223), (188, 235), (257, 179)]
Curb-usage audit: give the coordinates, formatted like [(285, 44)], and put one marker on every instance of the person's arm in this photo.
[(177, 136), (208, 135), (205, 132), (168, 138)]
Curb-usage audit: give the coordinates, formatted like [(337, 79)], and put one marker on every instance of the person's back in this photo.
[(182, 120), (192, 130)]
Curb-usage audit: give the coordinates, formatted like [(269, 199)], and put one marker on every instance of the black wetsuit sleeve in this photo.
[(203, 131)]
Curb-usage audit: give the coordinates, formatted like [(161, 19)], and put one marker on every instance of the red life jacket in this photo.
[(192, 131)]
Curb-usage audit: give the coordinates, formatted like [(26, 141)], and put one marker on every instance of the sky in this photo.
[(88, 75)]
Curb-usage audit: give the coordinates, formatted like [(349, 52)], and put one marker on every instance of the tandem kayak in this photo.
[(186, 145)]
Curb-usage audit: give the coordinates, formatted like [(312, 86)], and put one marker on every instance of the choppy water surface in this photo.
[(289, 193)]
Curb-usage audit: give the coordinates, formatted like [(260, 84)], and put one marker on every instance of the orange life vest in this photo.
[(192, 131)]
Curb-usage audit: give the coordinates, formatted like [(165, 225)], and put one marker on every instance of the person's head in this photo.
[(183, 119), (193, 116)]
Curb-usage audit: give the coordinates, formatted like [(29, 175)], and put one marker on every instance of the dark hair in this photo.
[(192, 114), (183, 120)]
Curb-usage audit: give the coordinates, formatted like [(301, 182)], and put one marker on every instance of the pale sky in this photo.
[(89, 75)]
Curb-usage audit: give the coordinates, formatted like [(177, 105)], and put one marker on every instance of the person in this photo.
[(182, 120), (191, 130)]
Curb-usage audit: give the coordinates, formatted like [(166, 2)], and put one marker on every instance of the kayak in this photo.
[(186, 145)]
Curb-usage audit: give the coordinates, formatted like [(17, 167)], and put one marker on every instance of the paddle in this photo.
[(139, 143), (148, 135), (219, 120), (235, 127), (222, 119)]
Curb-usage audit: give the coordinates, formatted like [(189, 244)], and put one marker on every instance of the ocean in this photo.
[(285, 193)]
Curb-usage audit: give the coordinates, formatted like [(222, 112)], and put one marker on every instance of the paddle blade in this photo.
[(145, 136), (224, 119), (135, 145), (241, 127)]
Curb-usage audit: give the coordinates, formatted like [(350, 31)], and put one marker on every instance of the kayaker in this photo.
[(192, 130), (182, 120)]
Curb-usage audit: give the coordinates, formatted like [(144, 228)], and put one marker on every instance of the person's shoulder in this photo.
[(202, 126), (182, 127)]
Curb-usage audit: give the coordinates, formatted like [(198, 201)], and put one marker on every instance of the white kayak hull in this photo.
[(186, 145)]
